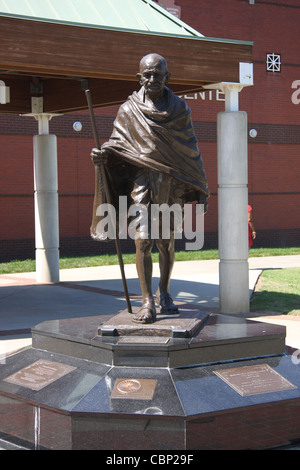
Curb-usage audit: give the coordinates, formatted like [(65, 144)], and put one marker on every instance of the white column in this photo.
[(45, 197), (233, 197), (233, 212), (4, 93), (46, 208)]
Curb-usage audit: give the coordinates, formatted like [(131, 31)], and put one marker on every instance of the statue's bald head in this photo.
[(153, 75), (153, 59)]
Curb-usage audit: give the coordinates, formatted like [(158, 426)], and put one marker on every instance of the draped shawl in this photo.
[(163, 141)]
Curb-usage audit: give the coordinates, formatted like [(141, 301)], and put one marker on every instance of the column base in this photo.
[(234, 287), (47, 265)]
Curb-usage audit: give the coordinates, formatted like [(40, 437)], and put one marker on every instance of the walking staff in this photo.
[(108, 198)]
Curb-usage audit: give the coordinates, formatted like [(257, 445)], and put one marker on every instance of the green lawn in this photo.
[(104, 260), (278, 290)]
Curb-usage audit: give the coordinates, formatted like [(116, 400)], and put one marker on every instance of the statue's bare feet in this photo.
[(166, 303), (146, 314)]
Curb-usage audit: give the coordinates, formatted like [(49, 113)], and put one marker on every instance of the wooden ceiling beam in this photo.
[(59, 54)]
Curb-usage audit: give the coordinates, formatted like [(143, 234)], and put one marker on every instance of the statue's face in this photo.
[(153, 75)]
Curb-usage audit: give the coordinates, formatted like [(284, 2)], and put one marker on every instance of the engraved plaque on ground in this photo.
[(136, 389), (39, 374), (143, 340), (252, 380)]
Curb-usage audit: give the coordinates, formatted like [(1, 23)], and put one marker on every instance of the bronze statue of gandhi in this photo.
[(152, 157)]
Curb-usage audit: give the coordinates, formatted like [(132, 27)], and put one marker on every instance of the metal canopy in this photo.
[(55, 47), (131, 15)]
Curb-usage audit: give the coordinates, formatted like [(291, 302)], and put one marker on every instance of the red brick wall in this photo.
[(273, 155), (274, 161), (16, 187)]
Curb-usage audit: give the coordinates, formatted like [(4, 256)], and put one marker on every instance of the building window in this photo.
[(170, 6), (273, 63)]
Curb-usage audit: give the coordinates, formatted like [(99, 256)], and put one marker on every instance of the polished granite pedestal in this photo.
[(191, 381)]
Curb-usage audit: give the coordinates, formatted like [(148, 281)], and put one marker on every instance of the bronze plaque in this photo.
[(252, 380), (136, 389), (39, 374), (143, 340)]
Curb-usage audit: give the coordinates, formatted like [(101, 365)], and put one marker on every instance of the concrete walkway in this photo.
[(94, 291)]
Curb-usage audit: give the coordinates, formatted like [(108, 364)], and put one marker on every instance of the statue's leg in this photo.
[(166, 262), (146, 314), (140, 195)]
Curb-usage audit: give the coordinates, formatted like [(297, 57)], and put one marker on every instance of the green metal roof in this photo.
[(130, 15)]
